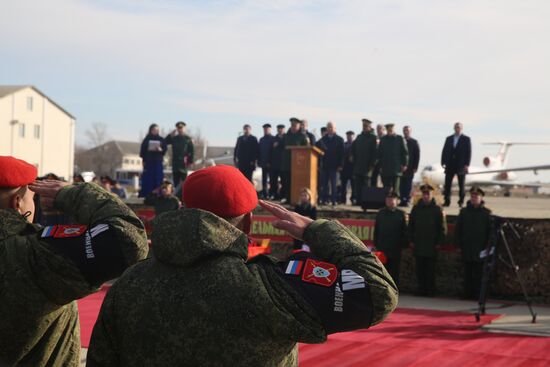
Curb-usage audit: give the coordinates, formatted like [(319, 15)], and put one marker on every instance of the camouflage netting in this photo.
[(531, 254)]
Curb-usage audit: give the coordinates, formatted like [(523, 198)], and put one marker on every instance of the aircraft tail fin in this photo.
[(502, 155)]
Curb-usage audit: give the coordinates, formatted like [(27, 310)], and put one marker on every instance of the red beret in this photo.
[(222, 190), (16, 172)]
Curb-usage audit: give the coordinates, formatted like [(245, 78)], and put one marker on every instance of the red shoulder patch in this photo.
[(73, 230), (320, 273)]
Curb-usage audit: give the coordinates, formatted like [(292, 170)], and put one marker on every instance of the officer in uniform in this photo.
[(390, 234), (293, 137), (363, 156), (264, 159), (183, 152), (198, 301), (427, 230), (246, 152), (393, 157), (44, 270), (347, 172), (472, 232), (276, 160)]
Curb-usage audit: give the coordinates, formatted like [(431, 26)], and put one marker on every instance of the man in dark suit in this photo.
[(246, 152), (455, 158), (412, 166)]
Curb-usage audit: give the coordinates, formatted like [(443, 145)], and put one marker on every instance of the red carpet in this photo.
[(409, 337), (88, 309)]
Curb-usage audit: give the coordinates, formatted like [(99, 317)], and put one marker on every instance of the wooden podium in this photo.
[(303, 171)]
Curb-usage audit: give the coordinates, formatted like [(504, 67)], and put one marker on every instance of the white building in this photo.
[(115, 158), (36, 129)]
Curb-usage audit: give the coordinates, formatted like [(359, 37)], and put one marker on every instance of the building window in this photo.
[(37, 131), (29, 103), (21, 130), (126, 161)]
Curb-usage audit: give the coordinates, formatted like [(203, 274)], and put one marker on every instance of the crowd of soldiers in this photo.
[(358, 162)]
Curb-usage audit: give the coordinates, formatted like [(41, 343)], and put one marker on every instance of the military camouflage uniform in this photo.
[(42, 275), (197, 302)]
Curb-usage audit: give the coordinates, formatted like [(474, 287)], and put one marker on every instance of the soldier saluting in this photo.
[(44, 270), (183, 152), (199, 302)]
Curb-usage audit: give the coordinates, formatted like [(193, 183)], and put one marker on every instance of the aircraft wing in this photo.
[(504, 183), (530, 168)]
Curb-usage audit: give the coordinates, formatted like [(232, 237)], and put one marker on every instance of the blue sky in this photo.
[(220, 64)]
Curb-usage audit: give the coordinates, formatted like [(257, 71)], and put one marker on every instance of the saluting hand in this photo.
[(47, 190), (294, 223)]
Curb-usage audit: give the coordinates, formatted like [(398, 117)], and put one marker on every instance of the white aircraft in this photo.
[(495, 172)]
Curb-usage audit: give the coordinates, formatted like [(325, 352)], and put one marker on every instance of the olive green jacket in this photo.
[(363, 153), (183, 151), (39, 319), (427, 228), (198, 302), (472, 231), (390, 232), (392, 154), (289, 140)]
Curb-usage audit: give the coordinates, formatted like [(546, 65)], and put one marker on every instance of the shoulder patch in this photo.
[(294, 267), (64, 231), (352, 280), (320, 273), (48, 231)]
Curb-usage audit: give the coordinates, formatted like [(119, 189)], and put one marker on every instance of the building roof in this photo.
[(6, 90), (128, 147), (124, 147)]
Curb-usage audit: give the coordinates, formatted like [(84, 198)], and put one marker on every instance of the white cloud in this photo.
[(428, 63)]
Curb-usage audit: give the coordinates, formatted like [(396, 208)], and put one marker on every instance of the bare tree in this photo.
[(97, 134), (200, 143)]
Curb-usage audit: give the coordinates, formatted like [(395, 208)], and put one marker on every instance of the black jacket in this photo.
[(265, 147), (277, 149), (334, 153), (414, 156), (246, 151), (455, 158)]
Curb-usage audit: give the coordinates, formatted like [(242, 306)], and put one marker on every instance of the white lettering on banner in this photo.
[(338, 299), (352, 280), (88, 246)]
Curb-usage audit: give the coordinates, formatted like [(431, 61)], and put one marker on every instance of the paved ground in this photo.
[(516, 317), (511, 207)]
